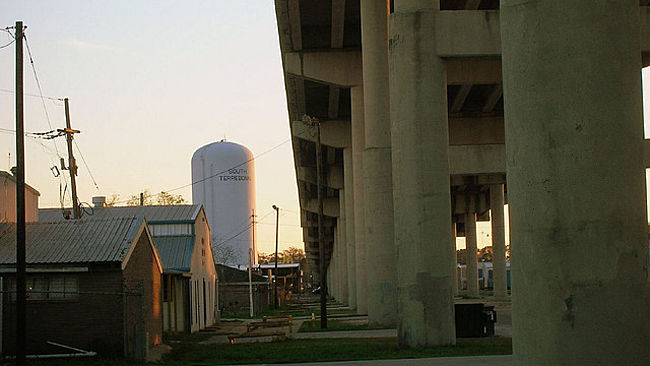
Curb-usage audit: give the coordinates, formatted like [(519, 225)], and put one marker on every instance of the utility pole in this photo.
[(315, 122), (21, 267), (72, 163), (250, 265), (275, 286)]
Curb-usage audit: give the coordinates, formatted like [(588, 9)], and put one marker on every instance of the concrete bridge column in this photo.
[(343, 253), (382, 295), (358, 144), (498, 242), (422, 208), (471, 250), (348, 182), (454, 263), (576, 182)]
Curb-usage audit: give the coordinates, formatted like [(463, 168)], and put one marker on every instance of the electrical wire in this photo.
[(8, 44), (40, 90), (221, 172), (54, 99), (86, 164)]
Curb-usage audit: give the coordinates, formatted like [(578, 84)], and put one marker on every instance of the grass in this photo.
[(326, 350), (286, 310), (189, 352), (333, 325)]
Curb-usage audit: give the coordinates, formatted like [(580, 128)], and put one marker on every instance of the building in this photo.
[(427, 109), (8, 200), (181, 234), (234, 291), (92, 284)]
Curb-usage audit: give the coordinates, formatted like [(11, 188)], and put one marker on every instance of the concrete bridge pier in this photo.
[(378, 185), (349, 227), (498, 243), (358, 143), (419, 134), (576, 182), (471, 248)]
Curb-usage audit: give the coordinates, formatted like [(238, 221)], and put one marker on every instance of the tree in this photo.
[(293, 255), (165, 198), (113, 200), (162, 198)]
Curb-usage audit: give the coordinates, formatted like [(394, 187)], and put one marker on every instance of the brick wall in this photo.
[(93, 321), (142, 272), (235, 297)]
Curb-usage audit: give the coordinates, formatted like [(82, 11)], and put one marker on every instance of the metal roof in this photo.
[(153, 214), (73, 241), (175, 252)]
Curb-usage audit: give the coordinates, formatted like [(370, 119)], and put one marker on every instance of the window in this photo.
[(52, 287)]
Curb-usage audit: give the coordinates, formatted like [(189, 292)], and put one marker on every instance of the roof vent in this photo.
[(99, 201)]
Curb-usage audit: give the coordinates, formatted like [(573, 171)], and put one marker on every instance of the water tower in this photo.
[(224, 176)]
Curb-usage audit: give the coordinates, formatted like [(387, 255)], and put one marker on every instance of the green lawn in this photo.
[(310, 350), (333, 325), (190, 353)]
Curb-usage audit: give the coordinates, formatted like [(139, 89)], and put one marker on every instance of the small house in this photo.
[(181, 234), (94, 285), (8, 199)]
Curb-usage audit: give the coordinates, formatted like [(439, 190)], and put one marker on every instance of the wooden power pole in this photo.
[(275, 286), (315, 122), (21, 267), (72, 163)]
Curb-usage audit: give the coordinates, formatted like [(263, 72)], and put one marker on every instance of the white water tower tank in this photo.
[(224, 183)]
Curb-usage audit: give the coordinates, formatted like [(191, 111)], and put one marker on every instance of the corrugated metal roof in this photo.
[(175, 252), (151, 213), (73, 241)]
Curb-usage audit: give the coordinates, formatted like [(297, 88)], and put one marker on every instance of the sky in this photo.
[(149, 82)]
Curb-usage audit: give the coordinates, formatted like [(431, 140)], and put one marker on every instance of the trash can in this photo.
[(474, 320)]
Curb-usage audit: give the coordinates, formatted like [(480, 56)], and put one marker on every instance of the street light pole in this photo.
[(275, 286)]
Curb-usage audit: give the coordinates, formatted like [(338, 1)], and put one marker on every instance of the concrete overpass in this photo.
[(428, 108)]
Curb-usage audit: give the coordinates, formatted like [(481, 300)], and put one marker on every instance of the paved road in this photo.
[(438, 361)]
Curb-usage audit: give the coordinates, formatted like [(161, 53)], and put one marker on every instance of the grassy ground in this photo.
[(293, 311), (310, 350), (333, 325), (189, 352)]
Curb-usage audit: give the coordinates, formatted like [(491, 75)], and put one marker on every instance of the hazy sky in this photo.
[(149, 82)]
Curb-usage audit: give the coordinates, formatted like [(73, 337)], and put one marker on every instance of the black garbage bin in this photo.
[(474, 320)]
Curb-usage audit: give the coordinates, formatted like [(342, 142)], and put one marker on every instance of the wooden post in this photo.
[(21, 280)]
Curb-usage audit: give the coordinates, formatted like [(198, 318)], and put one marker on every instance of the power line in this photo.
[(221, 172), (86, 164), (54, 99), (40, 90), (8, 44)]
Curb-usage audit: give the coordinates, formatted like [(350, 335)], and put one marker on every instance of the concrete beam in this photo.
[(335, 133), (460, 98), (474, 71), (330, 206), (476, 131), (478, 33), (468, 33), (333, 178), (645, 35), (334, 97), (341, 67), (493, 98), (477, 159), (294, 25), (338, 23)]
